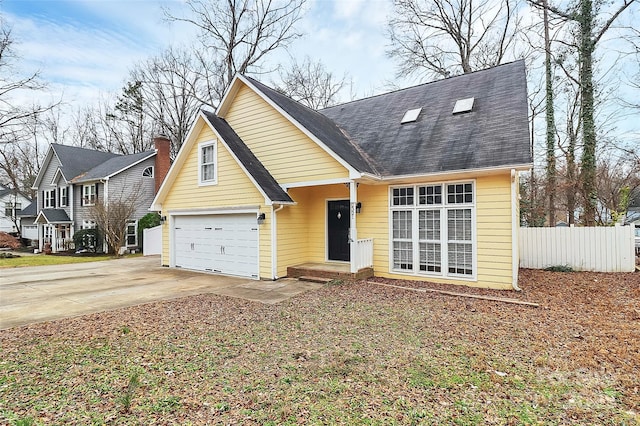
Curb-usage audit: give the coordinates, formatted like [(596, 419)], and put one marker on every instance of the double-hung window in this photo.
[(207, 163), (49, 199), (89, 195), (64, 196), (432, 229)]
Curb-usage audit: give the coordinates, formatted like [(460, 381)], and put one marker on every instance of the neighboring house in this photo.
[(420, 183), (72, 179), (28, 225), (11, 203), (633, 215)]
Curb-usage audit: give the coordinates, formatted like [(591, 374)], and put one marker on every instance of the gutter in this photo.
[(515, 254)]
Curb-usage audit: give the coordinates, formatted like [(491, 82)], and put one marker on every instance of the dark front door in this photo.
[(338, 229)]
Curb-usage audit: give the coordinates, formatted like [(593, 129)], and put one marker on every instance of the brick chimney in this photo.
[(163, 159)]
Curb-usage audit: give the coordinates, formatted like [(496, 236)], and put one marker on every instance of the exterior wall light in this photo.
[(358, 207), (261, 218)]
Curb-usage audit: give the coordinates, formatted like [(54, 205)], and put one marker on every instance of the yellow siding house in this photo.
[(420, 183)]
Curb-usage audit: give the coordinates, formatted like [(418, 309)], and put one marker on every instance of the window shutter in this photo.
[(96, 185), (42, 200), (53, 192)]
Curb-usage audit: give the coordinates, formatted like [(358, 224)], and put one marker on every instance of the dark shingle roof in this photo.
[(30, 210), (257, 170), (112, 166), (495, 133), (74, 160), (321, 127), (54, 216)]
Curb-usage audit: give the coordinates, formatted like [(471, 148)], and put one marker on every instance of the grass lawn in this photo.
[(353, 353), (41, 259)]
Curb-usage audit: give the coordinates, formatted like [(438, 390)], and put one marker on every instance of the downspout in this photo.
[(70, 189), (274, 242), (515, 223), (105, 182)]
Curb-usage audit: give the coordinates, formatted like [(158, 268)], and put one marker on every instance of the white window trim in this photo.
[(133, 223), (49, 199), (85, 201), (444, 236), (66, 190), (201, 146), (153, 171)]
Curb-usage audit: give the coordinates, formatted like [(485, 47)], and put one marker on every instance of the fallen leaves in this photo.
[(350, 353)]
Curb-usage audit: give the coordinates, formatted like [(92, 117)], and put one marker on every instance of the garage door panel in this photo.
[(219, 243)]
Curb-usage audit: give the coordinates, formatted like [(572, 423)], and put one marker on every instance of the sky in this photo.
[(85, 48)]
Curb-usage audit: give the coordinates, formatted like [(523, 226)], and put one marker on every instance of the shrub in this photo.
[(149, 220), (8, 241), (87, 240), (559, 268)]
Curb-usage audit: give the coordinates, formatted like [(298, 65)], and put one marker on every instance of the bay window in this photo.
[(432, 229)]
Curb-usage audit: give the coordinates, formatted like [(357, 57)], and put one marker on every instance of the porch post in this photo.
[(353, 232)]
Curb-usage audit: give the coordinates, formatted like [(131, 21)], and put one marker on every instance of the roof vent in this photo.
[(411, 116), (463, 105)]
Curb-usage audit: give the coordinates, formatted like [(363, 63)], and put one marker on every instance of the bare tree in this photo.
[(112, 217), (11, 82), (173, 93), (439, 38), (591, 27), (236, 35), (615, 180), (16, 158), (311, 84)]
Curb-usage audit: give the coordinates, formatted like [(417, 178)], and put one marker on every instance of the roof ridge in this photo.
[(420, 85), (318, 117)]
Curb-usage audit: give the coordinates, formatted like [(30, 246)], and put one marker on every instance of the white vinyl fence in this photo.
[(152, 241), (601, 249)]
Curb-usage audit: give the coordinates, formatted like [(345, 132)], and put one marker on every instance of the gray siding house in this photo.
[(72, 179)]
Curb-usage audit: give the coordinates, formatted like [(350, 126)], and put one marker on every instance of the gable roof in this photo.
[(495, 133), (30, 210), (248, 160), (6, 191), (74, 160), (53, 216), (82, 165), (113, 166), (321, 127)]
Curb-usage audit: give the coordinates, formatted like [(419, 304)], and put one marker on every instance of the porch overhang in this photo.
[(52, 217)]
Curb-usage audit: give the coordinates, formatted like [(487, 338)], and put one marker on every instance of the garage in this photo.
[(220, 243)]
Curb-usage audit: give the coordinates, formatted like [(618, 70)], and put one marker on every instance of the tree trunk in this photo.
[(551, 125), (588, 175)]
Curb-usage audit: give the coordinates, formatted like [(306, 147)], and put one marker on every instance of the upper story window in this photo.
[(207, 163), (64, 196), (12, 211), (148, 172), (89, 195), (49, 199)]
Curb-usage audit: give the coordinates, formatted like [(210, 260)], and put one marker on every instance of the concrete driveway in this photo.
[(43, 293)]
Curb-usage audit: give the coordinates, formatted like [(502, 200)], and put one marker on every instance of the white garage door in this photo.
[(226, 243)]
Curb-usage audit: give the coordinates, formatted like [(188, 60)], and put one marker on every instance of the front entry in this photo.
[(338, 230)]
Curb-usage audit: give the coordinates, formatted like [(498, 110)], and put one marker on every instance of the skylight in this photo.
[(463, 105), (411, 115)]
